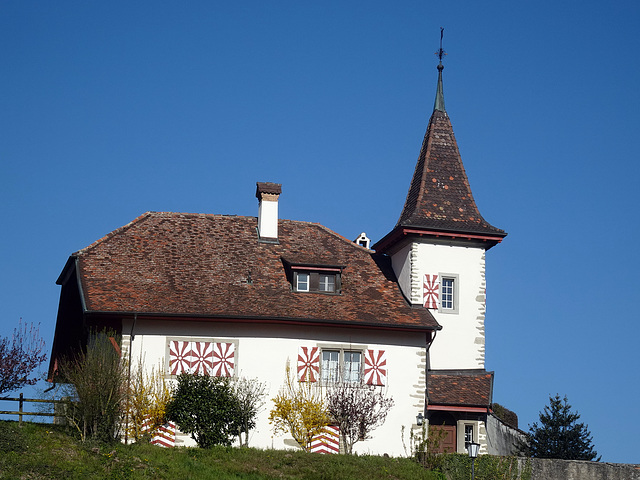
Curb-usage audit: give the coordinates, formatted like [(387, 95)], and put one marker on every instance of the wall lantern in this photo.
[(473, 449), (420, 419)]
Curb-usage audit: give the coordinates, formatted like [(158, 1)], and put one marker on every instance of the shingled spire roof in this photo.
[(440, 197), (440, 202)]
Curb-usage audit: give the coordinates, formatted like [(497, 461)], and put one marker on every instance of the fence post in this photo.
[(20, 409), (60, 411)]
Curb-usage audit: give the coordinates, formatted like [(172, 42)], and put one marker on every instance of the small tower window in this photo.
[(447, 293), (449, 284)]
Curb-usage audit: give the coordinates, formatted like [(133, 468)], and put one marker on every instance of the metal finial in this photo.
[(440, 51), (439, 103)]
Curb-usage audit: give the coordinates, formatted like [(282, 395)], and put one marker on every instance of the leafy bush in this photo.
[(96, 385), (207, 408), (457, 466), (504, 414)]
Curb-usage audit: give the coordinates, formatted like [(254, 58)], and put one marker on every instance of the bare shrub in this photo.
[(357, 409), (96, 384), (20, 356)]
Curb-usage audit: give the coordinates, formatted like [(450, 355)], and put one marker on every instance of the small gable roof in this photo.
[(215, 266), (460, 387)]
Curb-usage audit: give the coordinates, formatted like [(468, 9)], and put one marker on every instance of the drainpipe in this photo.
[(430, 340), (131, 337)]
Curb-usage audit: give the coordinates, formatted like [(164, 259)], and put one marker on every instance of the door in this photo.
[(443, 438)]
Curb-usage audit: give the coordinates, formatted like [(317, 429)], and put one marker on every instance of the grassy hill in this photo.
[(49, 452)]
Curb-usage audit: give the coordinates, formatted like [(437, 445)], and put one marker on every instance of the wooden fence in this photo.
[(58, 407)]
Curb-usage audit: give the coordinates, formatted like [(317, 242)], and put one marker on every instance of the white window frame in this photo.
[(339, 374), (307, 282), (454, 279), (322, 280), (326, 280), (461, 441)]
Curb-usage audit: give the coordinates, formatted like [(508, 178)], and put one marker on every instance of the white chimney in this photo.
[(267, 194)]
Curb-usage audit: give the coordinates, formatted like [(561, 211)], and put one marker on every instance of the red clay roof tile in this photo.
[(215, 265), (439, 196), (462, 387)]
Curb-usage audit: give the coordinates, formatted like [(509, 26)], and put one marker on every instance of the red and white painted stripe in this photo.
[(327, 442)]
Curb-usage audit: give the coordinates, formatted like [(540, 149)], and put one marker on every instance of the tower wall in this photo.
[(420, 267)]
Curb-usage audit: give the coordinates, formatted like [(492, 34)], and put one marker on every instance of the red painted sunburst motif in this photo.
[(327, 441), (179, 357), (223, 359), (308, 364), (201, 358), (431, 291), (375, 367)]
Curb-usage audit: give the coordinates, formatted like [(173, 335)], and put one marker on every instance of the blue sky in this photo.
[(111, 109)]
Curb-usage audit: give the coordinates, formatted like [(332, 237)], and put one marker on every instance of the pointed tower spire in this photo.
[(439, 201)]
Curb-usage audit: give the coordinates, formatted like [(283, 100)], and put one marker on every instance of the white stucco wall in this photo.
[(401, 263), (263, 350), (461, 342)]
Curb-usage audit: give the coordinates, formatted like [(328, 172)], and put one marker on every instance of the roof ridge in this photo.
[(113, 233), (342, 237), (148, 214), (461, 371)]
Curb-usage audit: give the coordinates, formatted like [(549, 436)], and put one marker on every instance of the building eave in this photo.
[(160, 316), (400, 232), (458, 408)]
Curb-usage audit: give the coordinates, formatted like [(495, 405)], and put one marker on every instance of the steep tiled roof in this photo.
[(460, 387), (439, 196), (215, 266)]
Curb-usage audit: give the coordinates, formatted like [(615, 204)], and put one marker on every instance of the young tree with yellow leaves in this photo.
[(147, 398), (299, 409)]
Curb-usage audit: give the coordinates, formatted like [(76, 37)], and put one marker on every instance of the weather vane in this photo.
[(441, 52)]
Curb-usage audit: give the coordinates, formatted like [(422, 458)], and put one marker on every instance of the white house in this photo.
[(230, 295)]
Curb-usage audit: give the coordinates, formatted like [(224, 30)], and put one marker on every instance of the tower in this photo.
[(438, 246)]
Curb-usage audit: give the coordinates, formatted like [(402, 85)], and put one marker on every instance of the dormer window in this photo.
[(316, 279), (302, 282), (327, 283)]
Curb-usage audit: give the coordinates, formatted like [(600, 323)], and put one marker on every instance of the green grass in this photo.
[(48, 452)]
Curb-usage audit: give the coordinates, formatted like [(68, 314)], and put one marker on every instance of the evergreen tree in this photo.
[(559, 435)]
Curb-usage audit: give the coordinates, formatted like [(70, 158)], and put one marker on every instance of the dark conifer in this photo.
[(559, 435)]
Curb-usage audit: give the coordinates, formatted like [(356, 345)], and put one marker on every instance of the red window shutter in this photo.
[(308, 364), (431, 291), (375, 367)]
